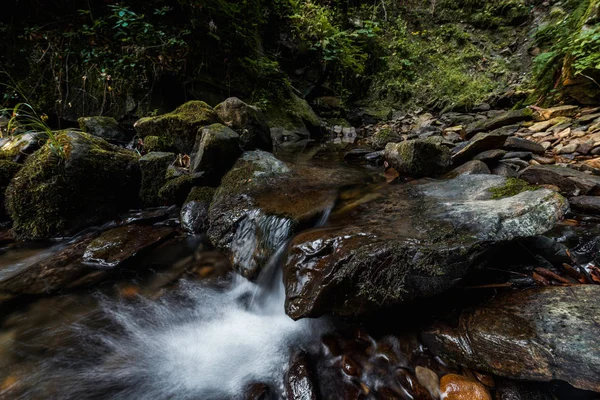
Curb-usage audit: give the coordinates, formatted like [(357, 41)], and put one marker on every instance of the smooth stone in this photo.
[(553, 112), (56, 271), (468, 168), (299, 382), (539, 334), (194, 212), (584, 148), (105, 127), (568, 149), (588, 204), (458, 387), (418, 158), (543, 160), (570, 181), (119, 245), (17, 148), (520, 144), (479, 143), (490, 155), (406, 242), (505, 170)]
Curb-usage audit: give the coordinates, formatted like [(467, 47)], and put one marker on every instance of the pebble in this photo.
[(458, 387), (429, 380)]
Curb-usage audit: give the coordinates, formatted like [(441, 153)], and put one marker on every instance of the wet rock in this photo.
[(194, 212), (106, 128), (409, 241), (512, 390), (299, 383), (8, 170), (249, 123), (375, 158), (216, 149), (570, 181), (383, 136), (263, 197), (119, 245), (418, 158), (458, 387), (429, 380), (490, 155), (470, 167), (509, 118), (51, 271), (520, 144), (18, 148), (259, 391), (356, 155), (51, 196), (176, 190), (179, 128), (587, 204), (535, 335), (154, 168), (479, 143)]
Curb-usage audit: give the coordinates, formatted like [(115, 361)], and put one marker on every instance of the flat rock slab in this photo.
[(590, 204), (570, 181), (538, 335), (407, 241), (480, 143), (519, 144), (118, 245)]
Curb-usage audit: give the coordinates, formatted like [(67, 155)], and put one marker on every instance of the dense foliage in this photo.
[(72, 58)]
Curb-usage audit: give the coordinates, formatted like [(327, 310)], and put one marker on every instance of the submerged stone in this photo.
[(534, 335), (53, 196), (409, 241)]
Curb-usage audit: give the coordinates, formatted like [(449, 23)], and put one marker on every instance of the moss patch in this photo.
[(512, 187)]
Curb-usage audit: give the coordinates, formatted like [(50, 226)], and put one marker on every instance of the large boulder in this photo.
[(262, 201), (248, 121), (105, 127), (177, 189), (154, 170), (179, 128), (55, 195), (216, 149), (418, 158), (409, 241), (534, 335)]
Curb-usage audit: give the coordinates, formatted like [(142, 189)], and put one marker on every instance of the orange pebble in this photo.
[(458, 387)]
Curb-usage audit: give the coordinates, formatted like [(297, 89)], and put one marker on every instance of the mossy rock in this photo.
[(18, 147), (384, 136), (216, 149), (158, 143), (54, 196), (418, 158), (8, 170), (248, 121), (154, 168), (176, 190), (106, 128), (292, 118), (180, 126)]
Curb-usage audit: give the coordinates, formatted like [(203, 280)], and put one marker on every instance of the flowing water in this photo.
[(200, 341)]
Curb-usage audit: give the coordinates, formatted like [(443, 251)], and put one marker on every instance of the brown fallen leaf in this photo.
[(391, 175), (540, 279), (546, 273)]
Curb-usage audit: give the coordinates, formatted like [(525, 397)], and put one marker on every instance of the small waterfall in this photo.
[(200, 342)]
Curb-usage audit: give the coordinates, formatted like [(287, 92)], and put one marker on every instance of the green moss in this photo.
[(291, 112), (176, 190), (512, 187), (203, 194), (158, 143), (154, 167), (180, 126), (51, 196)]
